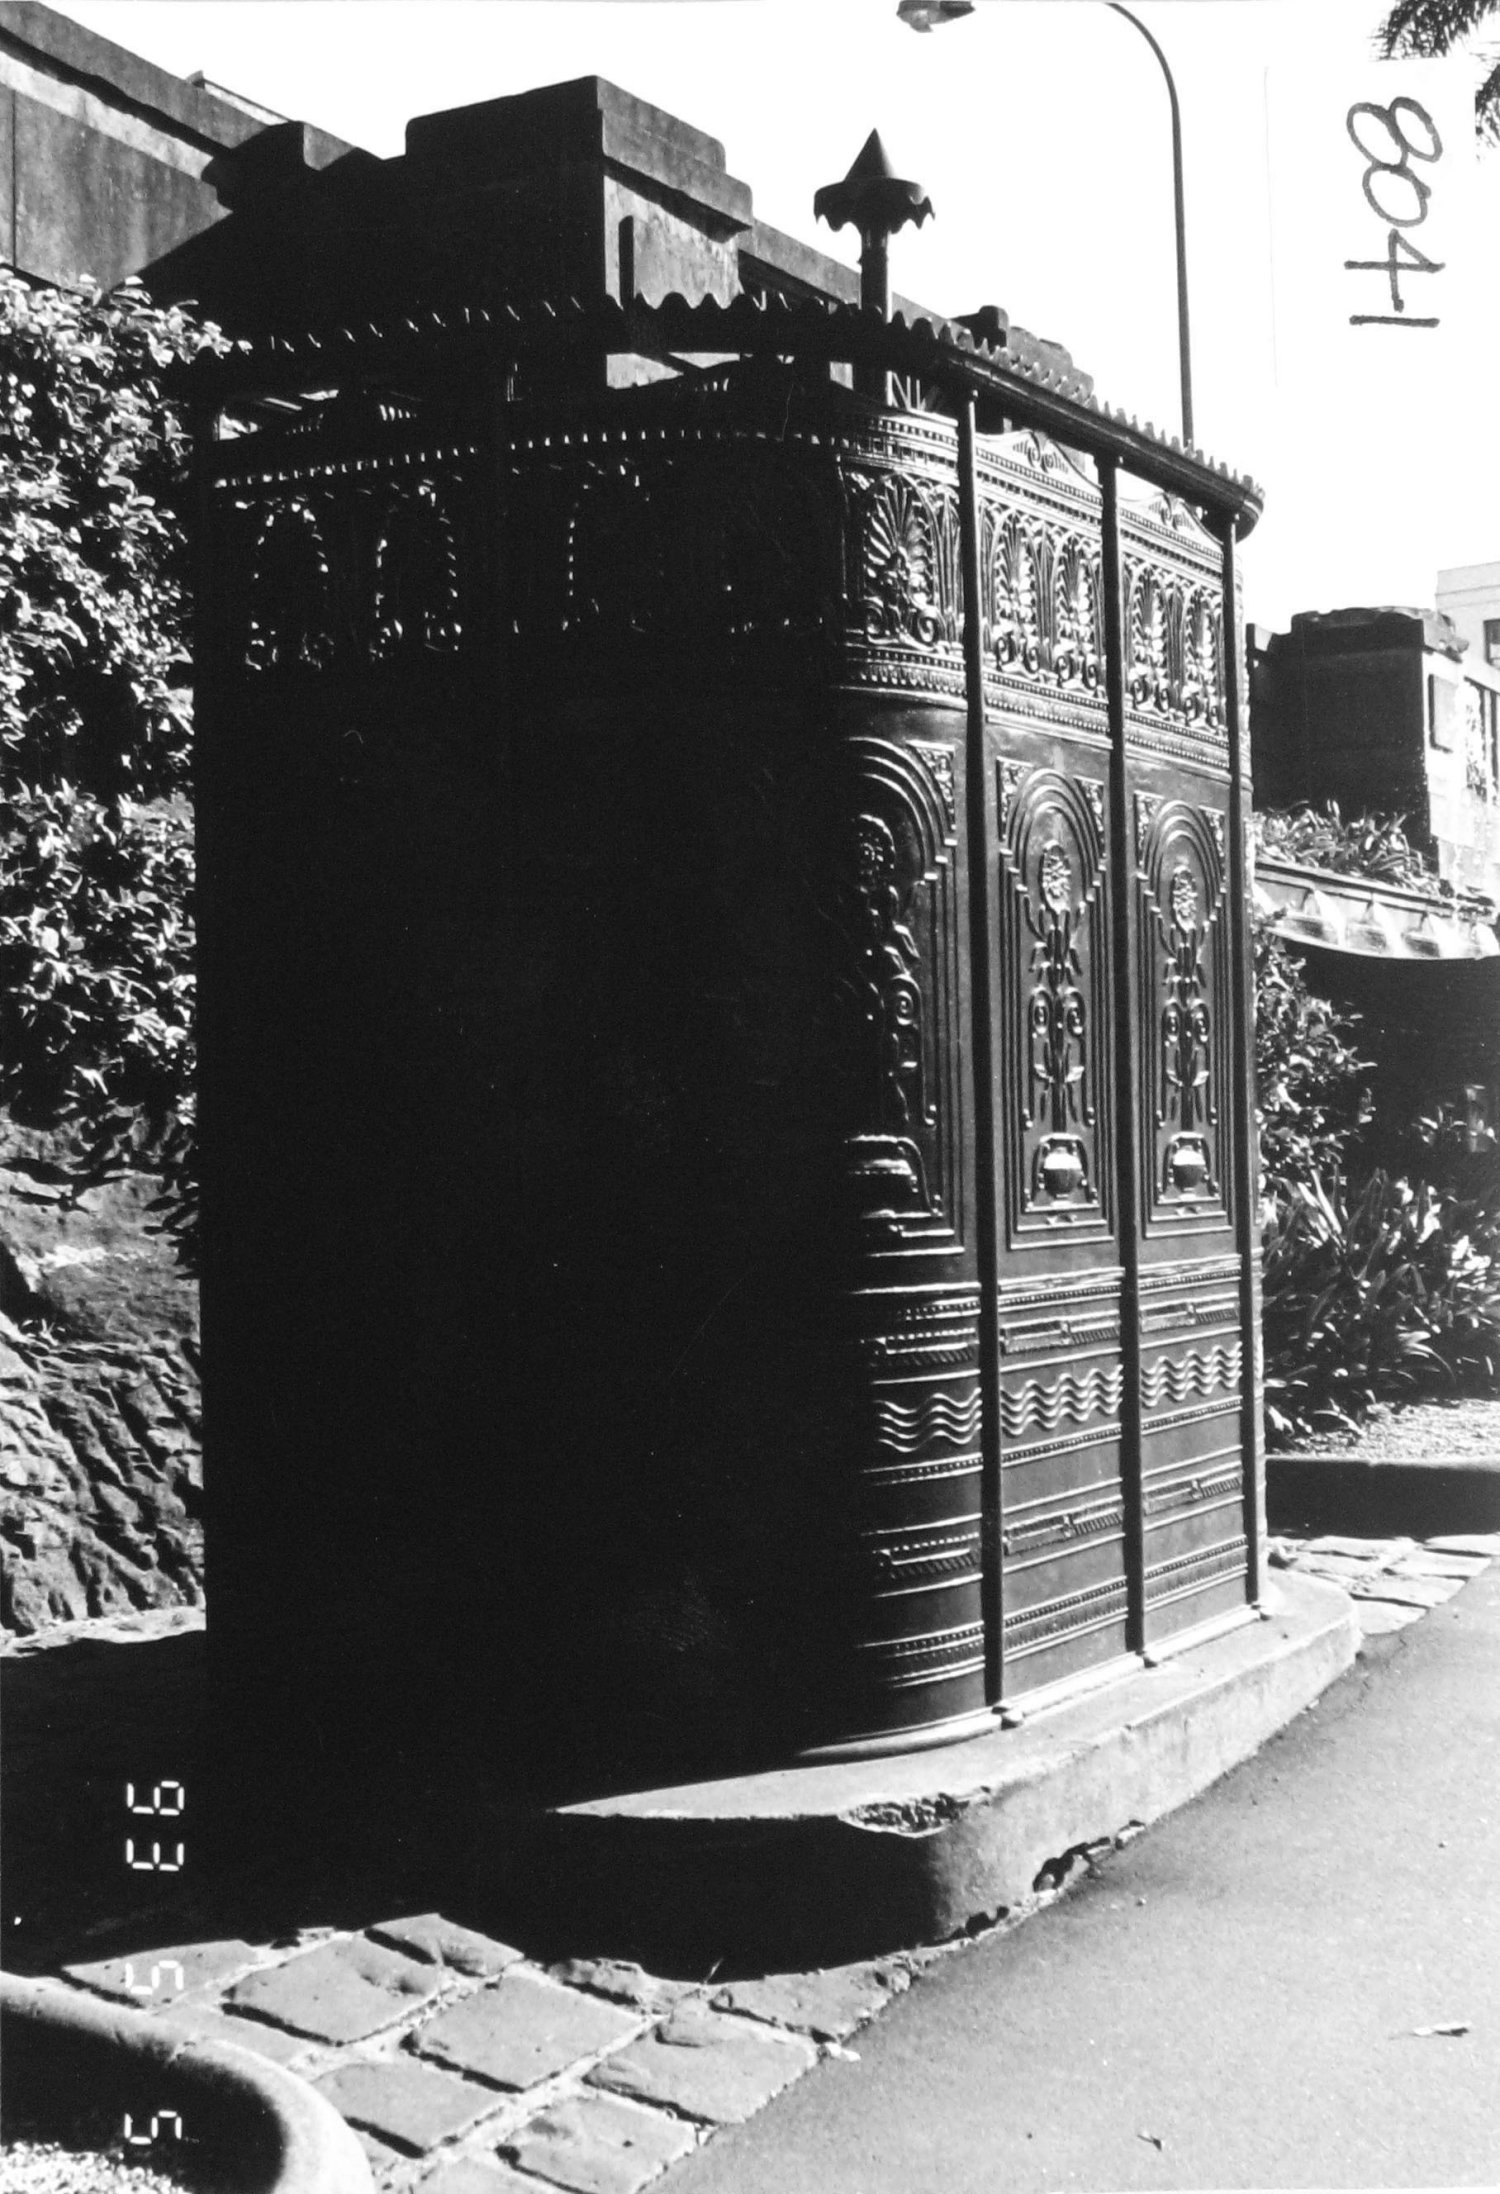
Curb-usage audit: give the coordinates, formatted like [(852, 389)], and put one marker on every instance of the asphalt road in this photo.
[(1233, 2000)]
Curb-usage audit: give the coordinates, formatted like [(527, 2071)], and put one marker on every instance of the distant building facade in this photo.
[(1468, 595), (1394, 711), (1386, 710)]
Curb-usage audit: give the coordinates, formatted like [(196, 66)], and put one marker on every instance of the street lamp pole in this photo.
[(928, 15), (1184, 346)]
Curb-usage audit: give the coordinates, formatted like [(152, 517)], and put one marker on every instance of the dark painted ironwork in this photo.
[(981, 828), (1128, 1084), (728, 894), (1246, 1131)]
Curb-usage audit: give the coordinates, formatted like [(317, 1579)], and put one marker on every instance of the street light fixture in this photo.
[(1184, 348), (926, 15)]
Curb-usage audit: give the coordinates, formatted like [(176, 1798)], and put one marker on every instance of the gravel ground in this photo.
[(1421, 1432), (40, 2167)]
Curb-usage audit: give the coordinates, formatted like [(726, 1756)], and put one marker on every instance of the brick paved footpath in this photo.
[(466, 2069)]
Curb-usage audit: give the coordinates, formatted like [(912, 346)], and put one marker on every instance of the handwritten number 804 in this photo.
[(1393, 127)]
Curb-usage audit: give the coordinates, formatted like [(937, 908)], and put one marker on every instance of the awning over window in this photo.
[(1309, 906)]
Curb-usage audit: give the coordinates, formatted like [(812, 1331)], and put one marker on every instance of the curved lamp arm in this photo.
[(1184, 347), (927, 15)]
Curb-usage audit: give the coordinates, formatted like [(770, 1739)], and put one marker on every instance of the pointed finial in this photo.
[(872, 195), (878, 202)]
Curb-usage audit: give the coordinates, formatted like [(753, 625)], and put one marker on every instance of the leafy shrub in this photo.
[(1367, 845), (1375, 1295), (96, 861), (1311, 1095), (1374, 1287), (1445, 1148)]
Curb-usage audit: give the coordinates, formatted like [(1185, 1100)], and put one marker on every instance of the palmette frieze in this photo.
[(1171, 527), (669, 530)]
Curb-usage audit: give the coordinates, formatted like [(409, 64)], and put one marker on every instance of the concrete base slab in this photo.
[(819, 1864), (1344, 1493)]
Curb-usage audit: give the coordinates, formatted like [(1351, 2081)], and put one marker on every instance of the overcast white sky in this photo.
[(1040, 128)]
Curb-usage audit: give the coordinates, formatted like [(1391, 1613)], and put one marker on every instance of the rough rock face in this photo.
[(100, 1467)]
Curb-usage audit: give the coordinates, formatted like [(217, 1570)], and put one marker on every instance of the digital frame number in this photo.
[(162, 2122), (168, 1800)]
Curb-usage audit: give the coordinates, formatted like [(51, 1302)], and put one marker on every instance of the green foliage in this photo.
[(1378, 1294), (96, 865), (1375, 1288), (1310, 1089), (1367, 845), (1432, 28)]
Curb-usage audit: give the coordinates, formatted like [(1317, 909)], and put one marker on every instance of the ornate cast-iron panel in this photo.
[(908, 1169), (771, 1282), (1191, 1345)]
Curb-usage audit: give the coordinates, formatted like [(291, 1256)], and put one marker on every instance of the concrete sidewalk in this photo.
[(469, 2068), (1294, 1982)]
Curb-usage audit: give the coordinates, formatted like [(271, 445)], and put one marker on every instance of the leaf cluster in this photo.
[(1376, 1293), (96, 866), (1375, 846), (1374, 1288), (1311, 1093), (1428, 29)]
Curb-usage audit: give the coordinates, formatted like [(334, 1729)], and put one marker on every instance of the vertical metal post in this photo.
[(874, 297), (875, 271), (1246, 1152), (1127, 1056), (981, 994)]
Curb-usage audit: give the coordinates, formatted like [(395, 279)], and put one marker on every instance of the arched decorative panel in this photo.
[(901, 916), (1053, 1058), (917, 1407), (1186, 1019), (416, 576), (290, 606)]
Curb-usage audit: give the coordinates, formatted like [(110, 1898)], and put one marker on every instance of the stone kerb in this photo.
[(66, 2053)]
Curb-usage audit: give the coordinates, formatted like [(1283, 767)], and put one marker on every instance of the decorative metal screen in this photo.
[(872, 1046)]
